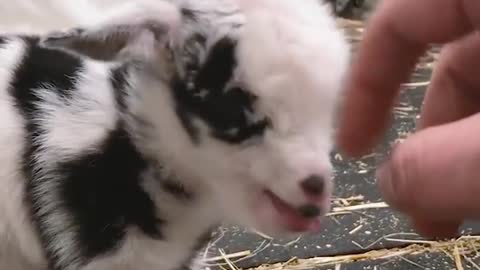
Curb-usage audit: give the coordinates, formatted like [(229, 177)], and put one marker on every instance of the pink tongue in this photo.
[(294, 221)]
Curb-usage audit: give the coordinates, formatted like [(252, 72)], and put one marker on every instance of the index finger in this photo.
[(397, 35)]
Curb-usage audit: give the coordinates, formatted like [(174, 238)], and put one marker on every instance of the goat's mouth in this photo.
[(295, 219)]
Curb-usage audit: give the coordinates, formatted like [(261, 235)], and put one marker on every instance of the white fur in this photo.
[(290, 55)]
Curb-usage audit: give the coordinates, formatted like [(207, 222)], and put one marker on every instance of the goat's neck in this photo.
[(153, 120)]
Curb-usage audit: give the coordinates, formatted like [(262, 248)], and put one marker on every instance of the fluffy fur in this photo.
[(125, 141)]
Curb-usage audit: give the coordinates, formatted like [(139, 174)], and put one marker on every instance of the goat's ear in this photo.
[(136, 31)]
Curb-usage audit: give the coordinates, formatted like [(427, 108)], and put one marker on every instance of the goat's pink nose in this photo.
[(313, 185)]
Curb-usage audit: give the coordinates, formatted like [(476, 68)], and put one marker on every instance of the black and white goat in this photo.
[(123, 143)]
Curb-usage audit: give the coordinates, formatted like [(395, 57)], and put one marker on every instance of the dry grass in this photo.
[(461, 251)]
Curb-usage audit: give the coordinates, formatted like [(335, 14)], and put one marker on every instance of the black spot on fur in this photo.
[(218, 68), (103, 192), (119, 83), (44, 67), (100, 190), (187, 122), (3, 40), (188, 14), (224, 110)]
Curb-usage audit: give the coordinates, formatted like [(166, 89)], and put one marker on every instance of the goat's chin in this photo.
[(282, 221), (260, 214)]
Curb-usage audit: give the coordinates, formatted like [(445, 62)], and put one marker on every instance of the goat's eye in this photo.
[(241, 122), (246, 134)]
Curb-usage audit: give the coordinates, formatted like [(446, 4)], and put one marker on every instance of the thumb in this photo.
[(435, 173), (436, 229)]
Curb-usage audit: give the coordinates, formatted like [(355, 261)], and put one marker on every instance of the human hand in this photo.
[(433, 176)]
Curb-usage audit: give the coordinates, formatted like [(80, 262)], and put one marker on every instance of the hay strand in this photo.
[(460, 247)]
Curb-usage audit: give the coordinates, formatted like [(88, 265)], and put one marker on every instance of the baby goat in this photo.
[(124, 143)]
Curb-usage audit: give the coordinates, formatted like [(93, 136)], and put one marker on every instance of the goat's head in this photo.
[(253, 93)]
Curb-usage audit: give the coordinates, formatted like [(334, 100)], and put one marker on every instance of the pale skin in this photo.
[(433, 177)]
